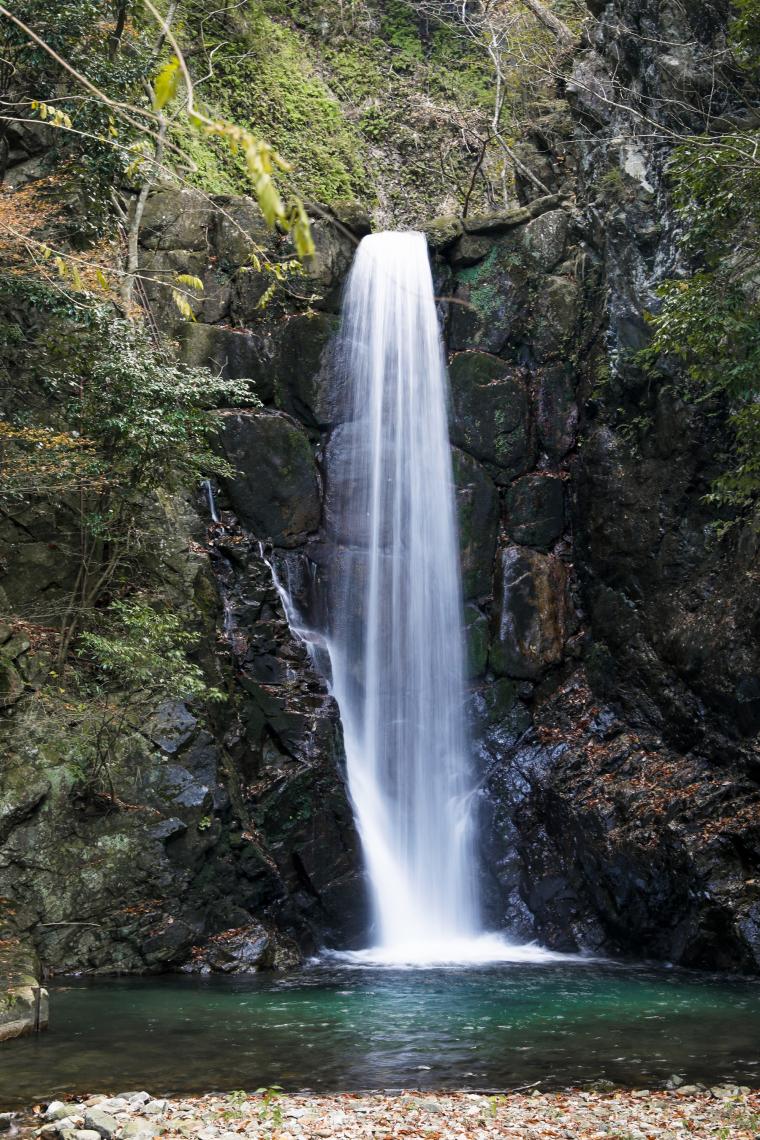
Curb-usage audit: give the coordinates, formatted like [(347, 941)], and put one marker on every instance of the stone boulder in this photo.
[(556, 411), (545, 239), (556, 313), (528, 618), (491, 413), (536, 510), (176, 219), (478, 513), (493, 302), (275, 490), (23, 1002), (235, 354), (301, 385), (242, 950)]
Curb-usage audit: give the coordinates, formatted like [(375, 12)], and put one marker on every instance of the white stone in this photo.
[(155, 1106), (98, 1120)]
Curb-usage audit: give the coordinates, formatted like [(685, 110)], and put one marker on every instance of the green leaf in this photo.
[(166, 85), (191, 282)]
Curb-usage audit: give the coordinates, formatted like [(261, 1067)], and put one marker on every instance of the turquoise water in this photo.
[(330, 1028)]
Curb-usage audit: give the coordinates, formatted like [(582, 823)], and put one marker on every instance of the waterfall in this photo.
[(396, 635), (395, 638)]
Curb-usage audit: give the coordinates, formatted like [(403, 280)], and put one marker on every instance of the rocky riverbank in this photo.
[(574, 1114)]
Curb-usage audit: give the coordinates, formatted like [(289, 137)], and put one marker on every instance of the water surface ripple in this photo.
[(331, 1028)]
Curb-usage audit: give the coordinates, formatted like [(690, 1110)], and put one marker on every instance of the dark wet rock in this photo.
[(276, 488), (528, 619), (536, 510), (298, 862), (302, 384), (622, 840), (172, 725), (235, 354), (247, 287), (491, 413), (476, 640), (478, 511), (556, 411), (556, 312), (492, 301), (243, 950)]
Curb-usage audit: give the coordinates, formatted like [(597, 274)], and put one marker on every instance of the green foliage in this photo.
[(145, 415), (133, 656), (80, 32), (745, 33), (142, 421), (709, 323), (270, 1112), (361, 99), (263, 77), (141, 652)]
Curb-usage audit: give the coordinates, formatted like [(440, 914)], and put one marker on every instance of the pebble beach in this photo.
[(726, 1112)]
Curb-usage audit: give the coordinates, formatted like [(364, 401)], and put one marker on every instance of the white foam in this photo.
[(480, 951)]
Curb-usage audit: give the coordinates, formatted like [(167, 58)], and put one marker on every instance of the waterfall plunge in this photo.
[(395, 638)]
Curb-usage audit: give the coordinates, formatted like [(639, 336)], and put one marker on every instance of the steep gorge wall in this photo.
[(612, 642)]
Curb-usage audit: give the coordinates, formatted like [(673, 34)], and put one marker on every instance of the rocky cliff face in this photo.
[(639, 809), (612, 641)]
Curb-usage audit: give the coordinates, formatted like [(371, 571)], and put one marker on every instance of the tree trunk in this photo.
[(557, 27)]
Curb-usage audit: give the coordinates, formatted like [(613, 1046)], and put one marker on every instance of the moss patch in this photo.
[(368, 102)]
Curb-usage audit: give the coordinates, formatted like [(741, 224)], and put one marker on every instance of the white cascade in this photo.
[(395, 625)]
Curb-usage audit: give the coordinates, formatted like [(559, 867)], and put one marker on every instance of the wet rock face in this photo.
[(491, 413), (478, 512), (528, 622), (536, 510), (612, 649), (673, 613), (276, 487)]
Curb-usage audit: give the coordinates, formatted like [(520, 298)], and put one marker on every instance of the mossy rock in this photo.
[(556, 313), (441, 233), (476, 640), (478, 514), (536, 510), (528, 616), (276, 490), (491, 413), (494, 302)]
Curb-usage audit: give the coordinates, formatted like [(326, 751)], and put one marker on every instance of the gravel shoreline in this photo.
[(725, 1112)]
